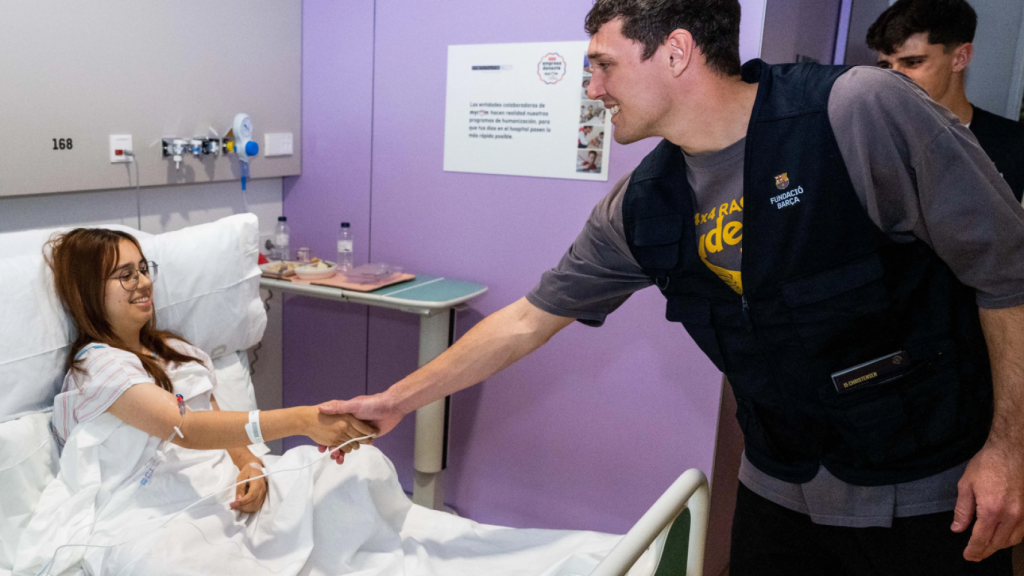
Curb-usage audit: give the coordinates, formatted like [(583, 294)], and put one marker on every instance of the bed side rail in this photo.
[(690, 490)]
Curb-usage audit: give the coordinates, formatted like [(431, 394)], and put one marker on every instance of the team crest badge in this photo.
[(782, 181)]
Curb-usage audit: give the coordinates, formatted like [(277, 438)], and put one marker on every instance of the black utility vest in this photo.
[(824, 291)]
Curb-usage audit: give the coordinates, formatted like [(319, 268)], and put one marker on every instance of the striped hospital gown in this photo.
[(107, 373)]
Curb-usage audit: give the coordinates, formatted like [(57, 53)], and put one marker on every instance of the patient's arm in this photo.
[(241, 455), (155, 411), (492, 345)]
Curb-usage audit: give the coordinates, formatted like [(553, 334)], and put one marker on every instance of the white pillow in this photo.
[(234, 390), (29, 459), (208, 285), (234, 384), (207, 290)]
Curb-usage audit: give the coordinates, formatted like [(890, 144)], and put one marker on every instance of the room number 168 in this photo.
[(62, 143)]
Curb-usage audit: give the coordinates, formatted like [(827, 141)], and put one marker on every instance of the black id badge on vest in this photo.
[(871, 373)]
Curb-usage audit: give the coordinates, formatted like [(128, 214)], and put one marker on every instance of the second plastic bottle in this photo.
[(345, 248)]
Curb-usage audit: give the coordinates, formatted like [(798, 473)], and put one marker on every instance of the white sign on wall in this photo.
[(522, 109)]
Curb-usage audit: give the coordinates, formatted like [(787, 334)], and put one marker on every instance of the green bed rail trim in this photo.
[(673, 559)]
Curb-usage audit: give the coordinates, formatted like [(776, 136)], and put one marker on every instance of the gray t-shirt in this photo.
[(919, 175)]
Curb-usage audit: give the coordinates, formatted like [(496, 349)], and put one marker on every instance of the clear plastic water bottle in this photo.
[(281, 250), (345, 248)]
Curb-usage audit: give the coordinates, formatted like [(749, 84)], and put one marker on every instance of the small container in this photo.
[(303, 254)]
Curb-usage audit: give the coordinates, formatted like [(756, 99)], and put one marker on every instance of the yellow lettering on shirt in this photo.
[(733, 235), (714, 236), (730, 277), (722, 235)]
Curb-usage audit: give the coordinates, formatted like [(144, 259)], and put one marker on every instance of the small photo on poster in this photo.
[(590, 136), (588, 161), (592, 113), (587, 135)]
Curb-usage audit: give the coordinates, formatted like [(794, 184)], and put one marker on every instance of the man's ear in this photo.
[(679, 47), (962, 55)]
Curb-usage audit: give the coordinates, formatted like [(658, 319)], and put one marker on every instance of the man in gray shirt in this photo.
[(671, 69)]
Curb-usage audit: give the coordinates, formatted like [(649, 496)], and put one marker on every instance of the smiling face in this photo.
[(932, 66), (128, 311), (632, 89)]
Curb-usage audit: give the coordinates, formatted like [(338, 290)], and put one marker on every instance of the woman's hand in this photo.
[(249, 497), (333, 430)]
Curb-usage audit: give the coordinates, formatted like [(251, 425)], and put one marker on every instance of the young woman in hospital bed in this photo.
[(114, 507)]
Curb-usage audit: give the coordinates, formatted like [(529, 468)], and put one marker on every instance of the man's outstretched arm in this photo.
[(495, 343)]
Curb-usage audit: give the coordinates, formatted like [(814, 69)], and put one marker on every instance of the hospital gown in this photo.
[(318, 519)]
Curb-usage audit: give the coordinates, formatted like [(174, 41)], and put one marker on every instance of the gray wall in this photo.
[(799, 27), (150, 68), (990, 77), (863, 15)]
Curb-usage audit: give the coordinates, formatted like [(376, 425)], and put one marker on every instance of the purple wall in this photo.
[(324, 354), (586, 432)]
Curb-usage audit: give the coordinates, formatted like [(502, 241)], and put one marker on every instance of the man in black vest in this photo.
[(931, 41), (870, 325)]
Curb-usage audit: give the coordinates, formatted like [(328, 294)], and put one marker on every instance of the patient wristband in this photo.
[(253, 428)]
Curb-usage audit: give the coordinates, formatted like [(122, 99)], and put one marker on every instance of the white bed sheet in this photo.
[(322, 520)]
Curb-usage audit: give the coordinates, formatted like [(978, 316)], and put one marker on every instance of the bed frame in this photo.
[(660, 528)]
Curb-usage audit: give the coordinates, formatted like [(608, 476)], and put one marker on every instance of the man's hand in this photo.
[(994, 485), (492, 345), (375, 410), (249, 497)]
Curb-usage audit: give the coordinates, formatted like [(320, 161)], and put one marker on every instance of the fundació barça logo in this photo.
[(782, 181)]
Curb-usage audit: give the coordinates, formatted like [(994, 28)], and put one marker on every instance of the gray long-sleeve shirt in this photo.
[(919, 175)]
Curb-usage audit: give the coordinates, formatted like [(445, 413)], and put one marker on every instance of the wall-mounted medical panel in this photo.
[(78, 78)]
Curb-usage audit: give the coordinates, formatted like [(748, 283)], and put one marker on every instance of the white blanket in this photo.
[(324, 519)]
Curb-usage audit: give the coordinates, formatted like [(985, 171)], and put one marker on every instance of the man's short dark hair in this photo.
[(947, 22), (714, 25)]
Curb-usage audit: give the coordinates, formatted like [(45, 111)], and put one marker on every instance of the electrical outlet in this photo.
[(119, 144), (266, 242)]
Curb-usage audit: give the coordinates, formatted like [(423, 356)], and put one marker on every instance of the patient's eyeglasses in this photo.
[(130, 277)]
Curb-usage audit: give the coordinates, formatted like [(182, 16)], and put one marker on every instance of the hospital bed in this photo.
[(208, 290)]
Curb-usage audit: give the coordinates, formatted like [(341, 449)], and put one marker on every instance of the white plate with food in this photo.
[(279, 268), (316, 270)]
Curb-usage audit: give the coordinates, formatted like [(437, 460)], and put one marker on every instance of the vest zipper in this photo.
[(746, 313)]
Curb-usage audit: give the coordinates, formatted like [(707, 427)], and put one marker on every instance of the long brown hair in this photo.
[(82, 260)]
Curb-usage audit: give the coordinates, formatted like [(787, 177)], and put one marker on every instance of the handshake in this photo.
[(334, 423)]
